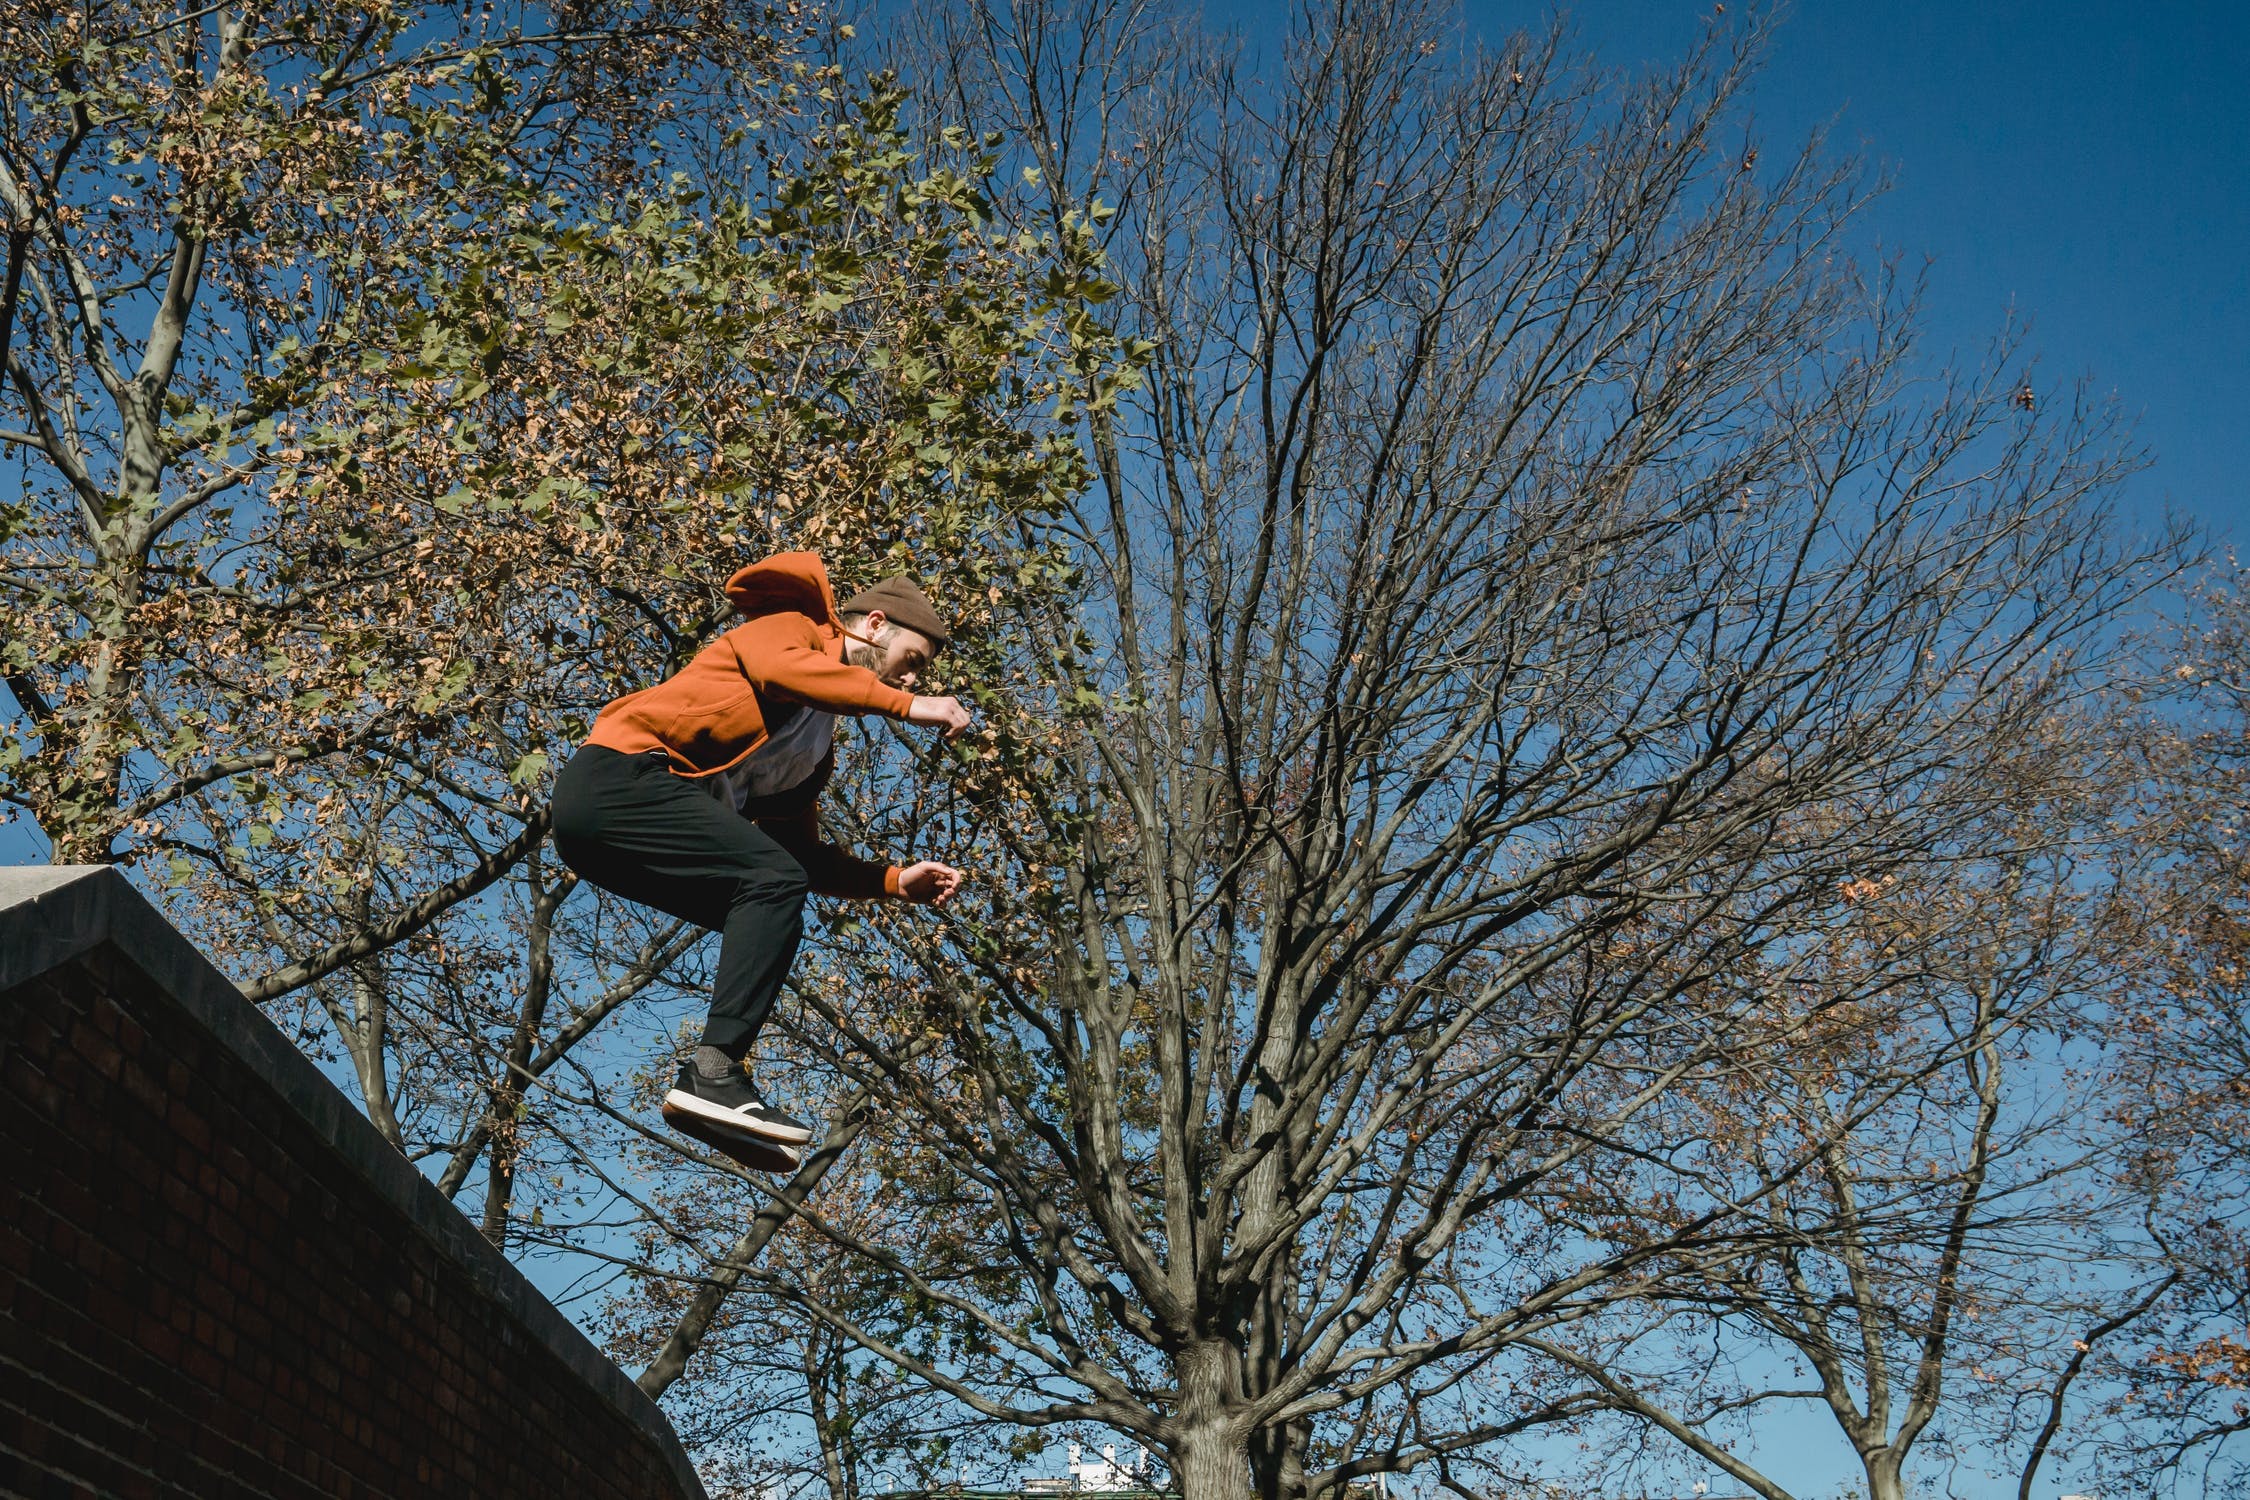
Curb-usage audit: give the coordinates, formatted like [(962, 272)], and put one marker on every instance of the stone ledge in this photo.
[(51, 915)]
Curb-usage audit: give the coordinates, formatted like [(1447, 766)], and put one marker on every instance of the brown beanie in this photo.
[(902, 603)]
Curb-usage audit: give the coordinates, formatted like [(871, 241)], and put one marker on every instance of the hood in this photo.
[(785, 583)]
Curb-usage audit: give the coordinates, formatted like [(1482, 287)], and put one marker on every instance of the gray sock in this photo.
[(714, 1064)]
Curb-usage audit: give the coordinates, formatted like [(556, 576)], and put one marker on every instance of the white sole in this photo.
[(743, 1150), (727, 1119)]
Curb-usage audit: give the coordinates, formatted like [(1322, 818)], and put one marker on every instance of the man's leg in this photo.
[(628, 825), (757, 945)]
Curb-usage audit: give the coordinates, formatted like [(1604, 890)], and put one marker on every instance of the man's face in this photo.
[(899, 656)]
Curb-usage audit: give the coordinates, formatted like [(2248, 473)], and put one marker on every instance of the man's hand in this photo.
[(929, 883), (945, 712)]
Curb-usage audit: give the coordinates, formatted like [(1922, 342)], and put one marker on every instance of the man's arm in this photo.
[(791, 821), (786, 654), (830, 870)]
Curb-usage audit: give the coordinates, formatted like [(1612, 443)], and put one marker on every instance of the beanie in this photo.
[(902, 603)]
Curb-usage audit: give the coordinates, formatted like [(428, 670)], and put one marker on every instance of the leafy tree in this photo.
[(234, 215), (2181, 1372), (481, 393)]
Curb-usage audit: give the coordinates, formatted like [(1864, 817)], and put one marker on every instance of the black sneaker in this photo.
[(733, 1104)]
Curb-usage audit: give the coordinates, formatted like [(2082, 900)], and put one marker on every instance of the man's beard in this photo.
[(867, 658)]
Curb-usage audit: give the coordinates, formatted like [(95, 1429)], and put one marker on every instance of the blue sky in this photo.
[(2085, 165)]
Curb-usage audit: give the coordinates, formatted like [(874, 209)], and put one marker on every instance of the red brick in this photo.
[(182, 1199), (15, 1249), (132, 1039), (145, 1091), (27, 1083), (99, 1052), (35, 1036), (187, 1125)]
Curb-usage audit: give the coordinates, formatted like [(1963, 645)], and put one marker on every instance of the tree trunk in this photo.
[(86, 830), (1884, 1481), (1277, 1454), (506, 1107), (1211, 1455), (1277, 1461), (835, 1465), (367, 1045)]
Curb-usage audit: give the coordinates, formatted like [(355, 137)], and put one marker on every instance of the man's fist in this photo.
[(947, 713), (929, 883)]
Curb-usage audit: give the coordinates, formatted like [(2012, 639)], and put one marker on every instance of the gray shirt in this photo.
[(789, 755)]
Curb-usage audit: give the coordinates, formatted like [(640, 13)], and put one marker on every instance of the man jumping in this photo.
[(696, 796)]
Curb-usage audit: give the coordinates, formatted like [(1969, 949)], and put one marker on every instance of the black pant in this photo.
[(627, 824)]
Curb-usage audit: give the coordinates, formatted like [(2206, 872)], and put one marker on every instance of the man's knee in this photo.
[(781, 883)]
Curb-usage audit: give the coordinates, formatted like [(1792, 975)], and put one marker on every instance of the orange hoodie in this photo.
[(711, 714)]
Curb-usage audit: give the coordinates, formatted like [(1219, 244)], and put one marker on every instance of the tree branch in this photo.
[(398, 928)]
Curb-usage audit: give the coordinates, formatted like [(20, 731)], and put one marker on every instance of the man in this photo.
[(696, 796)]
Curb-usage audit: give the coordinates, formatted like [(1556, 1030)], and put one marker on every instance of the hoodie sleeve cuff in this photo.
[(890, 880)]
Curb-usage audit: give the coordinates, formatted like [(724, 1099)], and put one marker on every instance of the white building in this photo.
[(1094, 1476)]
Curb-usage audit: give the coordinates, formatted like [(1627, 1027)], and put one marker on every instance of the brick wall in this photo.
[(216, 1280)]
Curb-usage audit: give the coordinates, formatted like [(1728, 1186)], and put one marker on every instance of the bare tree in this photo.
[(1955, 1215), (1530, 583), (785, 1405), (2179, 1408)]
